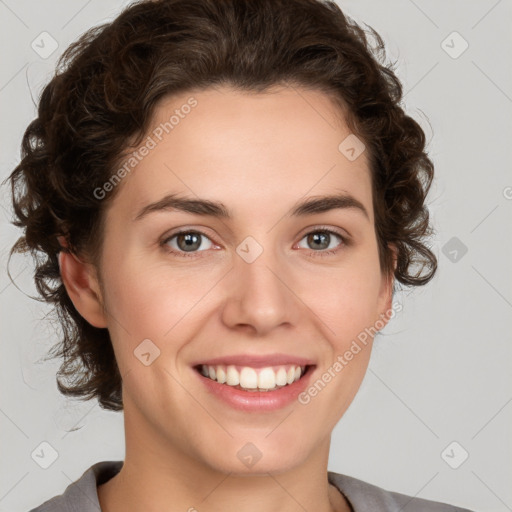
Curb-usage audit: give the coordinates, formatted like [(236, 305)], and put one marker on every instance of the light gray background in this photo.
[(441, 370)]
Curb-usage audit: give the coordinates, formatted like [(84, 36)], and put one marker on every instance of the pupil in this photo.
[(317, 236), (192, 241)]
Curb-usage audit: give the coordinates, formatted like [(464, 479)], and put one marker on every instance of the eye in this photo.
[(322, 240), (185, 242), (188, 243)]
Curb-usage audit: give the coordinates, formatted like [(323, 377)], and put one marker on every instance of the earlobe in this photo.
[(83, 289), (387, 290)]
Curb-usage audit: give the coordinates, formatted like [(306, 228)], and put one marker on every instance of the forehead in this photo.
[(247, 150)]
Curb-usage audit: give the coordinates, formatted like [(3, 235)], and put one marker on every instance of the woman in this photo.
[(186, 160)]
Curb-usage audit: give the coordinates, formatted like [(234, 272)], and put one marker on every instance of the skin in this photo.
[(258, 154)]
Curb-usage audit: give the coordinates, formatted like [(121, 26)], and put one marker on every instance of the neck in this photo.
[(129, 491), (162, 473), (158, 474)]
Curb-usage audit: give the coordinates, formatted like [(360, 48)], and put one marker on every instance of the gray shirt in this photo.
[(82, 495)]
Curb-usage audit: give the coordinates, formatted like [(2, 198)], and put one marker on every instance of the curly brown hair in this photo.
[(101, 99)]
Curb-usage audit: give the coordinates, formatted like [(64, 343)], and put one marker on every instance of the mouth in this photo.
[(255, 380)]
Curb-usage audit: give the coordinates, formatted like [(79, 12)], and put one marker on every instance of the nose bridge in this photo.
[(260, 295), (259, 268)]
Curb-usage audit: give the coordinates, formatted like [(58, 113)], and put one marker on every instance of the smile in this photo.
[(253, 379), (255, 390)]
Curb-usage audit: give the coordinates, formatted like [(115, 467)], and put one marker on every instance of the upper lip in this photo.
[(255, 361)]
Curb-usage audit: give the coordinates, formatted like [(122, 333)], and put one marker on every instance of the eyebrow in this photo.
[(310, 206)]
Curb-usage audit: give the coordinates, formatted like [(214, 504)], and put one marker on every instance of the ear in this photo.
[(82, 285), (386, 291)]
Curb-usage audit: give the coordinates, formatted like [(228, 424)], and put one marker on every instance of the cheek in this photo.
[(148, 301), (345, 301)]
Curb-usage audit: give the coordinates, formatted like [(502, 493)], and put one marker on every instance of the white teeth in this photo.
[(221, 375), (267, 379), (254, 378), (248, 378), (281, 377), (232, 376)]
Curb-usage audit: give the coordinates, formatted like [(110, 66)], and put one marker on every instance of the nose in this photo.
[(261, 296)]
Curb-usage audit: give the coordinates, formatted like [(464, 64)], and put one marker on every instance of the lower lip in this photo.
[(257, 401)]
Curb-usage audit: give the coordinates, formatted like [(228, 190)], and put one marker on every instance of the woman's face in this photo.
[(263, 281)]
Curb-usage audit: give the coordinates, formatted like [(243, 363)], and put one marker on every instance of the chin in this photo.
[(250, 456)]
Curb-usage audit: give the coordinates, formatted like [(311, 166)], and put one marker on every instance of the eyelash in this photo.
[(322, 253)]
